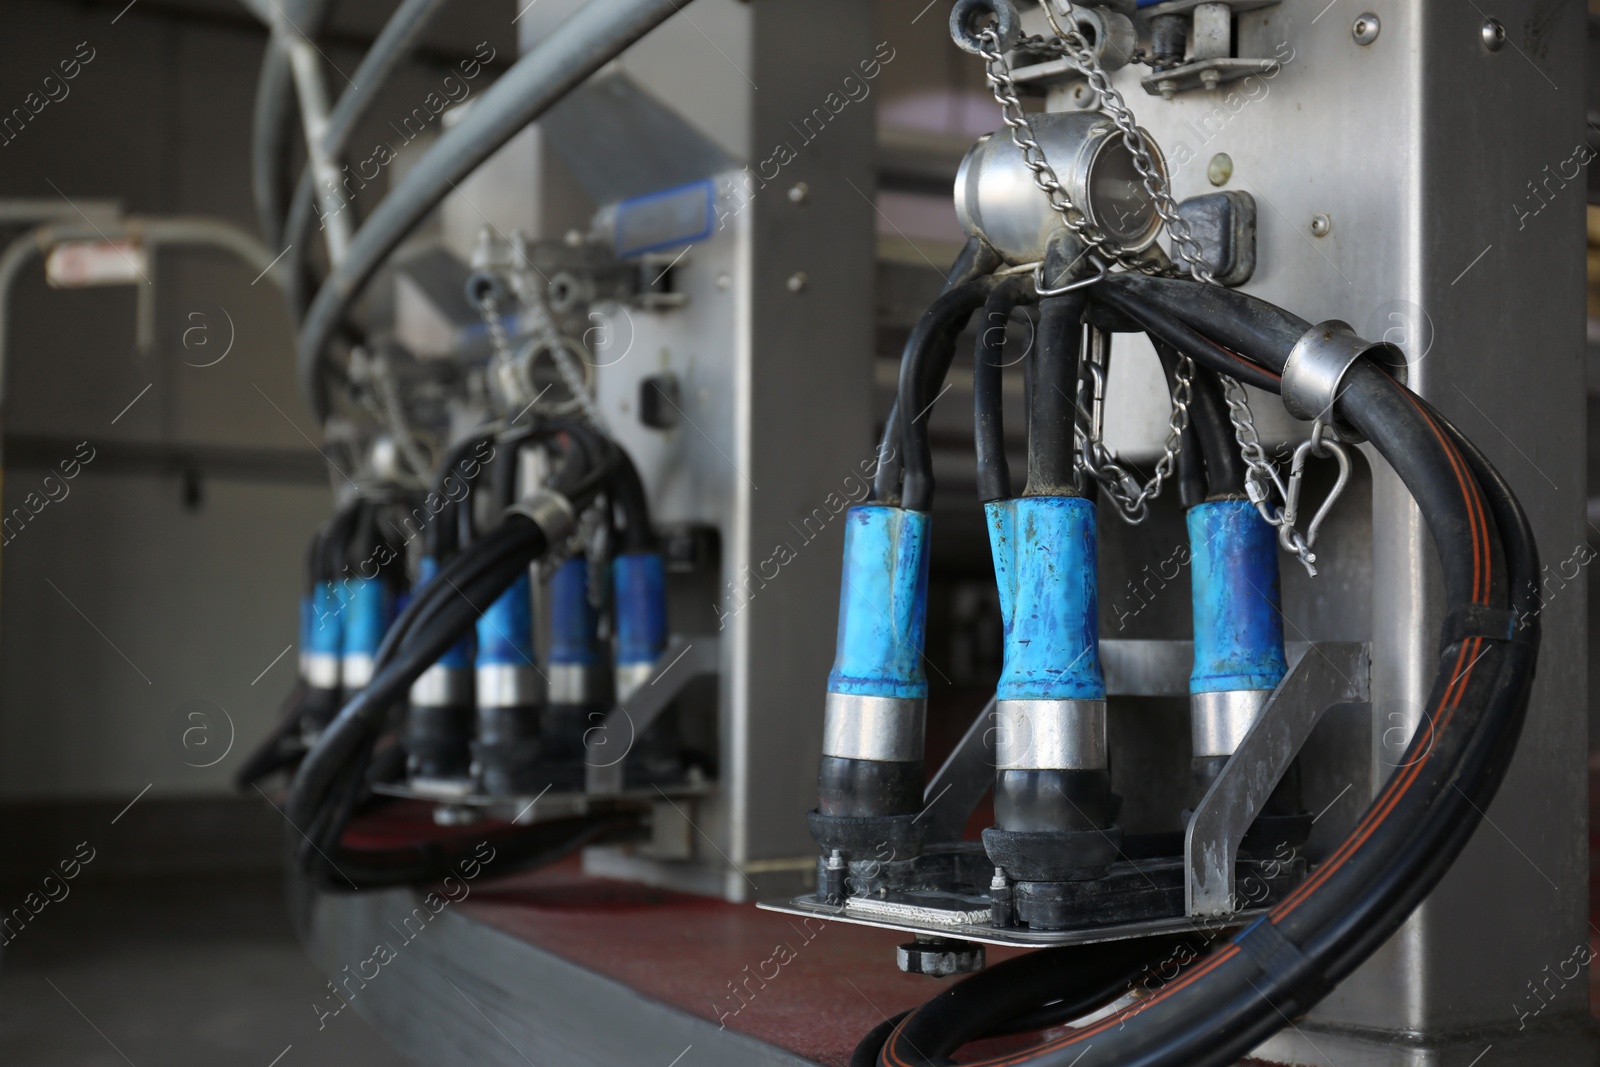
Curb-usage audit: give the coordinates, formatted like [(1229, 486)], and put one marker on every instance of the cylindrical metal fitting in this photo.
[(1033, 735), (997, 200), (1219, 721), (887, 729)]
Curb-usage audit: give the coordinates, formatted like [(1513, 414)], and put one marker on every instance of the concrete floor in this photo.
[(198, 972)]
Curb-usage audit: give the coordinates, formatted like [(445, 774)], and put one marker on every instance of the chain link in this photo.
[(1096, 458), (1102, 463)]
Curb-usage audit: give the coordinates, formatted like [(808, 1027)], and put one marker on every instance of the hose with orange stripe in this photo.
[(1229, 1001)]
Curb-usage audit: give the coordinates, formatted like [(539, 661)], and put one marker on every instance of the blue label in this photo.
[(666, 219)]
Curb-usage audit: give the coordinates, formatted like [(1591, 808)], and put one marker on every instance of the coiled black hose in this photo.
[(1231, 1000)]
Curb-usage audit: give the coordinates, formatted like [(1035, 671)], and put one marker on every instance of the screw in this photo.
[(799, 192), (1220, 168), (1168, 87), (1321, 225), (1494, 35), (1366, 29), (797, 282), (1210, 79)]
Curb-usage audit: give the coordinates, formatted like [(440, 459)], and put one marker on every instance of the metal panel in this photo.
[(773, 353), (1420, 149)]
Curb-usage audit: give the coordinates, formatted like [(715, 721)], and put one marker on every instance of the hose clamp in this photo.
[(881, 728), (1318, 363), (1218, 722), (1057, 735), (551, 512)]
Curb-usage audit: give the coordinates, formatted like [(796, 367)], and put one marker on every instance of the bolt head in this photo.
[(1321, 225), (1494, 35), (1366, 28), (797, 282), (799, 193)]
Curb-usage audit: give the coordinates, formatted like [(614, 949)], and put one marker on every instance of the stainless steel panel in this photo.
[(1456, 231)]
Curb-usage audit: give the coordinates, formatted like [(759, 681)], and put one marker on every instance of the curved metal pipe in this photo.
[(581, 45), (150, 232)]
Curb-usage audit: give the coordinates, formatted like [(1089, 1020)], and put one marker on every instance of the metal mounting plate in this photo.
[(875, 913), (680, 664), (1195, 75), (1178, 7)]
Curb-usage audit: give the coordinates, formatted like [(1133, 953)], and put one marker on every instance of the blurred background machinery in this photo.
[(712, 252)]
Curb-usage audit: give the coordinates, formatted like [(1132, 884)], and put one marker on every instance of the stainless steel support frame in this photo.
[(1449, 181), (773, 356)]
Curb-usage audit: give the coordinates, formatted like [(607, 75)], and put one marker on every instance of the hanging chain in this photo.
[(1096, 458), (1102, 463), (1116, 109), (997, 71)]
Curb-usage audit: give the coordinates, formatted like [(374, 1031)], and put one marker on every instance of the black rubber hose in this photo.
[(627, 493), (581, 45), (439, 615), (1052, 470), (335, 541), (923, 369), (280, 747), (511, 547), (1246, 324), (1210, 430), (1423, 816), (988, 396), (1187, 339), (975, 261), (1002, 1000)]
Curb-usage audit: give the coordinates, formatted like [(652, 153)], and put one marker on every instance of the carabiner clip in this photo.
[(1318, 446)]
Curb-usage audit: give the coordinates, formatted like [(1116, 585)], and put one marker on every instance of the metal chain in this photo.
[(505, 364), (1116, 109), (1096, 459), (514, 378), (1102, 463), (1261, 480), (997, 72)]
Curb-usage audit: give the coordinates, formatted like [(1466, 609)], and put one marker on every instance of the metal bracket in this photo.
[(1318, 363), (682, 662), (1326, 675), (966, 776)]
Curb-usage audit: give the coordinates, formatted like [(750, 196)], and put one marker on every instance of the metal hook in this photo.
[(1320, 446), (1081, 283)]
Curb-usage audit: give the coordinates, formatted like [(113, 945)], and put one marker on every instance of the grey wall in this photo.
[(129, 597)]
